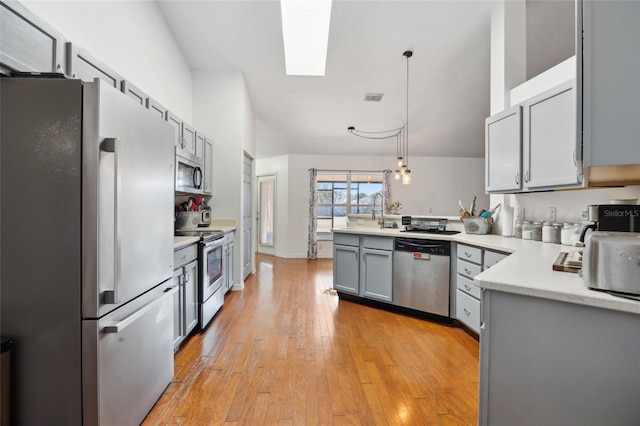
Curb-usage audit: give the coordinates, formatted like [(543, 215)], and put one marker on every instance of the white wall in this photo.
[(437, 185), (130, 37), (569, 204), (224, 113)]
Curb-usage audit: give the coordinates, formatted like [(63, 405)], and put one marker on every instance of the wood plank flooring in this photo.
[(286, 351)]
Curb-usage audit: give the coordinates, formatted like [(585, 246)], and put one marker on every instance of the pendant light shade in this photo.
[(401, 134)]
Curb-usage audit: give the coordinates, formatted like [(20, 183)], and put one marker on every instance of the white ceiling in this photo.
[(449, 73)]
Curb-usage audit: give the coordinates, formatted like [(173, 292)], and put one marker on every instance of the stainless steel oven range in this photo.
[(211, 273)]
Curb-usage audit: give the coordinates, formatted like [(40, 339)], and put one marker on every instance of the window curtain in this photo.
[(312, 245), (386, 190)]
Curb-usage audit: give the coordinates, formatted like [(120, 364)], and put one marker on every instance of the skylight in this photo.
[(305, 30)]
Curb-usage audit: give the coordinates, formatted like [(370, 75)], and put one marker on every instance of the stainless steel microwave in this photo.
[(189, 176)]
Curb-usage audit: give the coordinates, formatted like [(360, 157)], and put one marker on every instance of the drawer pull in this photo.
[(467, 254), (466, 312), (467, 271), (467, 287)]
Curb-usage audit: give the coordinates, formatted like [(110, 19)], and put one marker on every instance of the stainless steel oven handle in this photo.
[(121, 325), (114, 145)]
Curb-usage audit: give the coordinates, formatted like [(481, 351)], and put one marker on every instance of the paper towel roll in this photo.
[(506, 220)]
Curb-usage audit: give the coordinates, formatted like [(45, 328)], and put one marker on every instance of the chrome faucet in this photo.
[(373, 212)]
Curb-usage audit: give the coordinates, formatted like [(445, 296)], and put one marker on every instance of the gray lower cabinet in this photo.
[(546, 362), (346, 263), (185, 303), (376, 268), (363, 266), (228, 260), (27, 43), (470, 262), (346, 268)]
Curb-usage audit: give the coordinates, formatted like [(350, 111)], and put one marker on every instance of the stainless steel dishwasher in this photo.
[(421, 275)]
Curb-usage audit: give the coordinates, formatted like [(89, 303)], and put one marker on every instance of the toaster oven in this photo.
[(611, 262)]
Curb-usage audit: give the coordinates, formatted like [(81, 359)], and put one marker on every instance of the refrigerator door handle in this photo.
[(121, 325), (113, 145)]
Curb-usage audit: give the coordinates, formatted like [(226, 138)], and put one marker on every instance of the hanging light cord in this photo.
[(407, 54), (384, 134)]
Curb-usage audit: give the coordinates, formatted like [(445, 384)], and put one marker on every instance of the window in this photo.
[(343, 194)]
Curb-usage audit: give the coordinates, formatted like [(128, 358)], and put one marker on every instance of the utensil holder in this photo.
[(477, 225), (187, 220)]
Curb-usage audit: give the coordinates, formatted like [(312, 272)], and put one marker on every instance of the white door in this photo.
[(266, 214), (247, 216)]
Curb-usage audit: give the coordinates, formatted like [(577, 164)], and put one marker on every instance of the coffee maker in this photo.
[(612, 217)]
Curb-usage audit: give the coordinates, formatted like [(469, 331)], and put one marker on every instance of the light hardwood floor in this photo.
[(285, 351)]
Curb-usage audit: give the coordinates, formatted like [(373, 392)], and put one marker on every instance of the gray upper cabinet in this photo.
[(157, 108), (27, 43), (198, 150), (503, 151), (134, 93), (549, 139), (189, 137), (208, 167), (176, 122), (80, 64), (611, 93)]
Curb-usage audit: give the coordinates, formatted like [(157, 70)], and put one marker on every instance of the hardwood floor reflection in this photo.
[(286, 351)]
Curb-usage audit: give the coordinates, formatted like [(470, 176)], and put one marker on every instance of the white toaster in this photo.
[(611, 262)]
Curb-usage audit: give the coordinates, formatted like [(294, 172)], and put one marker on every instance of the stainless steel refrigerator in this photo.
[(86, 252)]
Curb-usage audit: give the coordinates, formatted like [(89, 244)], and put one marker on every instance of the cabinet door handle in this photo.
[(467, 271), (467, 287), (466, 312), (356, 253), (186, 277), (364, 257), (526, 176), (467, 254), (517, 178)]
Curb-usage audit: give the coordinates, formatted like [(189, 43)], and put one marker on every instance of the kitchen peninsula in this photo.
[(551, 350)]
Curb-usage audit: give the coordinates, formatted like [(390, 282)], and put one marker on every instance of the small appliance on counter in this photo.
[(429, 225), (611, 263), (205, 216), (612, 217)]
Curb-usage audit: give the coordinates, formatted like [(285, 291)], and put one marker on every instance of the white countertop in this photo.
[(180, 242), (527, 271)]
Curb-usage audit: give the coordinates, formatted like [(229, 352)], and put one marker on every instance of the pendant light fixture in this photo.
[(406, 176), (401, 134)]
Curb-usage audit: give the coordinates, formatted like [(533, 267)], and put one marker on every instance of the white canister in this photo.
[(547, 231), (566, 235)]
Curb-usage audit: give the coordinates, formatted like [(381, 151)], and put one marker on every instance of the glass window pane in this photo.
[(324, 211), (340, 196)]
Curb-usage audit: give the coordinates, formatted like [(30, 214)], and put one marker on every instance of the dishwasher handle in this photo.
[(442, 248)]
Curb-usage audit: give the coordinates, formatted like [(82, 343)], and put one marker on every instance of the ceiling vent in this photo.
[(373, 97)]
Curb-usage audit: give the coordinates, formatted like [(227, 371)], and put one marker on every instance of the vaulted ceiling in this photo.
[(448, 82)]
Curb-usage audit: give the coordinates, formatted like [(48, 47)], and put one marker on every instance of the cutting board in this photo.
[(568, 262)]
